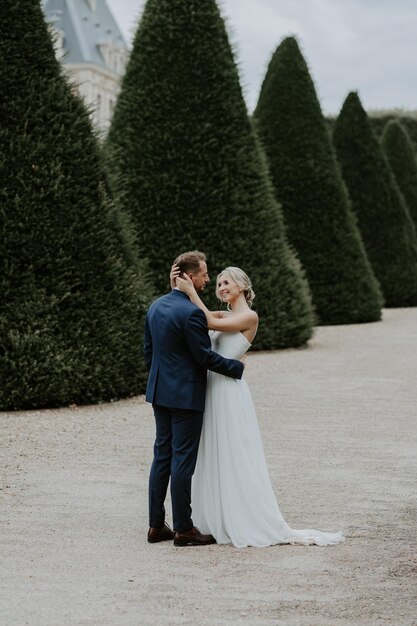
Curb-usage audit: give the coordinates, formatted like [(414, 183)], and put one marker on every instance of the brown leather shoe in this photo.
[(193, 537), (160, 534)]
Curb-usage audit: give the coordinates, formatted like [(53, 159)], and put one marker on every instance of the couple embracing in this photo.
[(206, 423)]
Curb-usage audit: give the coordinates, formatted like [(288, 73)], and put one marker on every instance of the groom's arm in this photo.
[(196, 333)]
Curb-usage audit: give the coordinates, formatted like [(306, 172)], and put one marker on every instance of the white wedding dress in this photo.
[(232, 495)]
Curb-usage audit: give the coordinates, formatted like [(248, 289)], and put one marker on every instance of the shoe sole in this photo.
[(184, 544)]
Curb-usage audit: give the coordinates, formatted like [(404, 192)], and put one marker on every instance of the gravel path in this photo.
[(339, 423)]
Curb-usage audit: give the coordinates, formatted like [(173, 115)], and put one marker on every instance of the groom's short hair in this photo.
[(190, 261)]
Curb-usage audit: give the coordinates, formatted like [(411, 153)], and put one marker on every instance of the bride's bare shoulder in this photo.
[(252, 315)]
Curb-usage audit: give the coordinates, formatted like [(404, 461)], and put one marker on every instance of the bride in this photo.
[(232, 495)]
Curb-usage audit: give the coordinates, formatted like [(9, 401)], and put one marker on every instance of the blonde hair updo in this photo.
[(241, 279)]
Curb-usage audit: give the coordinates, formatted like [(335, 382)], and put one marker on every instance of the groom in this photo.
[(178, 354)]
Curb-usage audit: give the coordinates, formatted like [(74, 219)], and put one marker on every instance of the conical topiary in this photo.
[(308, 183), (408, 122), (380, 120), (192, 170), (383, 217), (72, 302), (402, 159)]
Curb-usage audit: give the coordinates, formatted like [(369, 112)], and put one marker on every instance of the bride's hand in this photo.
[(185, 284), (175, 272)]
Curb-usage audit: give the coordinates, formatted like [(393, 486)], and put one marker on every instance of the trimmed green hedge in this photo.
[(308, 183), (186, 158), (402, 159), (379, 122), (73, 302), (382, 214)]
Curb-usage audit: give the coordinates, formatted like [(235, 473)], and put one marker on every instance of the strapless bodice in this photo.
[(230, 345)]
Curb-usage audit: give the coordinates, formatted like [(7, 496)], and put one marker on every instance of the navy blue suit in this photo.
[(178, 353)]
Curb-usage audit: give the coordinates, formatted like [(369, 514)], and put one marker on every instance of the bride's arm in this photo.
[(247, 320), (174, 274), (236, 322), (186, 285)]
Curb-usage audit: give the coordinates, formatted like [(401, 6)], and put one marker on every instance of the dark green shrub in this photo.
[(308, 184), (383, 217), (72, 300), (409, 123), (402, 159), (379, 122), (187, 160)]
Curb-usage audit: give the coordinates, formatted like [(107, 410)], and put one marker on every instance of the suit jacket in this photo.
[(178, 354)]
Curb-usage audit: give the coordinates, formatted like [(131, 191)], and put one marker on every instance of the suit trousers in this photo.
[(175, 455)]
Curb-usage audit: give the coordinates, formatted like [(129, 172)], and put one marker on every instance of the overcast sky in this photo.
[(364, 45)]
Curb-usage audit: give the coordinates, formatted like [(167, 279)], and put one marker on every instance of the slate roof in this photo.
[(84, 28)]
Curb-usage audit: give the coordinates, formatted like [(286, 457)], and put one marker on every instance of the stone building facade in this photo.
[(93, 51)]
